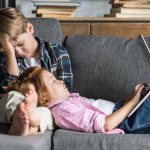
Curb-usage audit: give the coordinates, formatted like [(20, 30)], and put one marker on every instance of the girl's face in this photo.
[(56, 88)]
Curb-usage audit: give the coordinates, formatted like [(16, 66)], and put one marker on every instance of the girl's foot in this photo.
[(31, 100), (20, 123)]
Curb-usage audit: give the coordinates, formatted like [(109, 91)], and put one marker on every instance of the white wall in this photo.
[(89, 8)]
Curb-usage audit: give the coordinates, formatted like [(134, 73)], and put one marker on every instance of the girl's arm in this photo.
[(118, 116)]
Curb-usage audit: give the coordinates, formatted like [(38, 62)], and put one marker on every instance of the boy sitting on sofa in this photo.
[(20, 50), (71, 111)]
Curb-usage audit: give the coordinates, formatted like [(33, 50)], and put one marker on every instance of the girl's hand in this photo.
[(114, 119), (137, 93)]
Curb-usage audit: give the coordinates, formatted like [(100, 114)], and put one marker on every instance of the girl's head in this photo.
[(47, 86)]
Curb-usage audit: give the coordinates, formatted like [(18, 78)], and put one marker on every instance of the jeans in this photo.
[(139, 121)]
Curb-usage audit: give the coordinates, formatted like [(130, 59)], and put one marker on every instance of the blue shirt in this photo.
[(55, 58)]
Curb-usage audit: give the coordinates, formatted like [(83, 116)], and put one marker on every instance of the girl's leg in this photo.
[(139, 122)]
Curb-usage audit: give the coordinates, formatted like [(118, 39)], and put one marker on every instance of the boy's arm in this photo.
[(64, 69), (11, 62), (118, 116), (8, 66)]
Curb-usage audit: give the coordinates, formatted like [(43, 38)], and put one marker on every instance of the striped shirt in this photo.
[(55, 58)]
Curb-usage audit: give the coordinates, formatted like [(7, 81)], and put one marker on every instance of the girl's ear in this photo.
[(30, 28), (45, 99)]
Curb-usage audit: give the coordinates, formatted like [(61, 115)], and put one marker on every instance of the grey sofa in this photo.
[(103, 67)]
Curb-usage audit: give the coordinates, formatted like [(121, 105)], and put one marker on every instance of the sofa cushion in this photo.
[(108, 67), (32, 142), (47, 29), (70, 140)]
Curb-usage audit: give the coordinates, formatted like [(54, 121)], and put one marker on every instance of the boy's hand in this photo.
[(11, 62), (8, 48)]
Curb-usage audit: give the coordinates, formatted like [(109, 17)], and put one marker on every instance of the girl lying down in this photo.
[(72, 111)]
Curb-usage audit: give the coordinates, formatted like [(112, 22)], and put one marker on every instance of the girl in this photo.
[(71, 111)]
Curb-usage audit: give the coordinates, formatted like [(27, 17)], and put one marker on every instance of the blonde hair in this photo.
[(12, 24), (32, 75)]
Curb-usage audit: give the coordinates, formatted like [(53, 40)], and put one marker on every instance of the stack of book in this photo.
[(129, 9), (55, 8)]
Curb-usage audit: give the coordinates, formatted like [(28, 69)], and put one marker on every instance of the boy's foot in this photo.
[(20, 124), (31, 100)]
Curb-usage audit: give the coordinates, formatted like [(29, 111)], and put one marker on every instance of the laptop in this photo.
[(148, 94)]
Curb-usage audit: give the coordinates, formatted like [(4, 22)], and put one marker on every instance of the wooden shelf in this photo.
[(104, 19), (124, 27)]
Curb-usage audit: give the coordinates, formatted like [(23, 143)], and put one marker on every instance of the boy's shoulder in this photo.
[(50, 45), (55, 47), (52, 48)]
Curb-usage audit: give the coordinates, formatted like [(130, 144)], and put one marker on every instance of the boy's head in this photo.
[(12, 23), (16, 29), (47, 86)]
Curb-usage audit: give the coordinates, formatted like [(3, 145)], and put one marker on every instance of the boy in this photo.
[(21, 50)]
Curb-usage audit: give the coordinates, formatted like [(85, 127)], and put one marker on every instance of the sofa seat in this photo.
[(71, 140), (32, 142)]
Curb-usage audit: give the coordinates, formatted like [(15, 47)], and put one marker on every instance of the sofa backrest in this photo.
[(108, 67), (47, 29)]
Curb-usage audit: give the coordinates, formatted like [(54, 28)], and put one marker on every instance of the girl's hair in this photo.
[(12, 24), (33, 76)]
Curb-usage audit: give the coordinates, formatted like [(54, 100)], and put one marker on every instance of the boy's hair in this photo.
[(12, 24), (32, 75)]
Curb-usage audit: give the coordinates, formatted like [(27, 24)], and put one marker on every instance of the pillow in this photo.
[(47, 121)]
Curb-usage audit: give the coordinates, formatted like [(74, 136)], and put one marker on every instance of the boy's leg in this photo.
[(8, 104)]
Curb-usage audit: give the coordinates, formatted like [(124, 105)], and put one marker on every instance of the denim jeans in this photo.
[(139, 121)]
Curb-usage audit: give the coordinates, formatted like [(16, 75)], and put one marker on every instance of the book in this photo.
[(139, 104), (57, 7), (148, 94), (146, 45), (57, 12), (47, 1), (41, 10), (123, 15), (54, 11), (56, 4), (55, 15), (142, 5), (131, 10), (129, 1)]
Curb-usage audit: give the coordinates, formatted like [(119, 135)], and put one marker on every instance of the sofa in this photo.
[(104, 67)]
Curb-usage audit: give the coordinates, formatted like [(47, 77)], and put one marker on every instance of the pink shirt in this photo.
[(76, 114)]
